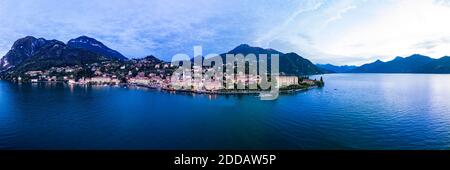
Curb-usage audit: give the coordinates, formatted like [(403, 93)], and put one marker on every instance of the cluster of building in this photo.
[(50, 75), (151, 73), (138, 71), (233, 82)]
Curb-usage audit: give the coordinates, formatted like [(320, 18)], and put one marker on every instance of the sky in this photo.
[(339, 32)]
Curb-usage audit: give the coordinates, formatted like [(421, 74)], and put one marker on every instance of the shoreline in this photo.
[(126, 85), (244, 92)]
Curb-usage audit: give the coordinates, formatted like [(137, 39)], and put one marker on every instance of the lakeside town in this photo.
[(147, 72)]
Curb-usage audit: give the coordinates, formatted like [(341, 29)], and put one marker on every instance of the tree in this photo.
[(321, 83)]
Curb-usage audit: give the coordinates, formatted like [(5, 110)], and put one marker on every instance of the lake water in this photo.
[(352, 111)]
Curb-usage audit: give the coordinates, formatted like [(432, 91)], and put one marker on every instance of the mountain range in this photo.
[(329, 68), (290, 63), (30, 53), (95, 46), (413, 64)]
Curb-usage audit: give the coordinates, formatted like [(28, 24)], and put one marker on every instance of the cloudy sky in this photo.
[(337, 31)]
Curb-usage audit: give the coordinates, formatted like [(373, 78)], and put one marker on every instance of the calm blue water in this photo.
[(353, 111)]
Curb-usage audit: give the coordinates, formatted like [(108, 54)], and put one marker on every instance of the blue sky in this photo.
[(337, 32)]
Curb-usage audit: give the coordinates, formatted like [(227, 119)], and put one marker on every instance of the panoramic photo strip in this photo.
[(225, 83)]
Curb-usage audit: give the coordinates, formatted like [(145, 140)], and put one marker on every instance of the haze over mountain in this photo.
[(329, 68), (413, 64), (441, 65)]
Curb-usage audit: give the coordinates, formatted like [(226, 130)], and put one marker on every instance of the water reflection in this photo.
[(358, 111)]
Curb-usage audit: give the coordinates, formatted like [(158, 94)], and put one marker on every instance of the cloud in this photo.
[(362, 30), (266, 37), (339, 14), (443, 2), (133, 27), (338, 32)]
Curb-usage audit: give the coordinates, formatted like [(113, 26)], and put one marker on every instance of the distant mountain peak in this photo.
[(415, 63), (330, 68), (27, 38), (152, 57), (398, 58), (418, 56), (243, 46), (27, 41), (22, 49), (378, 61), (247, 49), (292, 53), (290, 63), (85, 37), (30, 49), (91, 44), (87, 40)]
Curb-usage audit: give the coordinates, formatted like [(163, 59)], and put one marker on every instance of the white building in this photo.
[(284, 81), (100, 80), (33, 73), (139, 80), (309, 82)]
